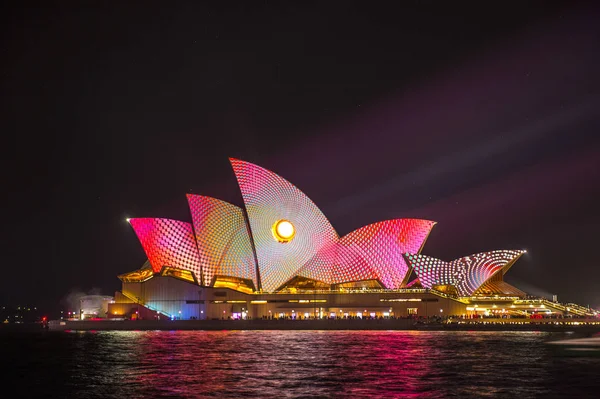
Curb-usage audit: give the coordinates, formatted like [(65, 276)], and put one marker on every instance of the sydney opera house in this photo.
[(279, 256)]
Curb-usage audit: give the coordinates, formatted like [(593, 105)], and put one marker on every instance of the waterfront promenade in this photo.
[(583, 325)]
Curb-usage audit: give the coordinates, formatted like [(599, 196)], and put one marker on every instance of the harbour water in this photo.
[(293, 364)]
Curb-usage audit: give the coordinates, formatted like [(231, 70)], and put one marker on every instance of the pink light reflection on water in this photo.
[(284, 364), (296, 364)]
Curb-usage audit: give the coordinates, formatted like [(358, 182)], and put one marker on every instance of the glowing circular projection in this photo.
[(283, 230)]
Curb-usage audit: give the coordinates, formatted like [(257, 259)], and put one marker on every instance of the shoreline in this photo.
[(589, 326)]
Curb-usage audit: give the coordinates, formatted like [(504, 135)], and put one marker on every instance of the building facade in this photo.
[(279, 256)]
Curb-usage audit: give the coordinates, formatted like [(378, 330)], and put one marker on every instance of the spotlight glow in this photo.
[(283, 230)]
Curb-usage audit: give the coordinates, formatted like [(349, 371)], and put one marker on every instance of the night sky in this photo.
[(484, 118)]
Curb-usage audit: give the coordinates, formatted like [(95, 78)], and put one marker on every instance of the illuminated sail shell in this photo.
[(336, 263), (320, 267), (223, 239), (380, 247), (373, 252), (285, 235), (467, 274), (169, 243), (270, 198)]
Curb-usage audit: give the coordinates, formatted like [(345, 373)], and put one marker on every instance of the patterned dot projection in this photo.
[(320, 266), (336, 263), (351, 264), (373, 252), (269, 198), (168, 242), (381, 245), (223, 239), (466, 274)]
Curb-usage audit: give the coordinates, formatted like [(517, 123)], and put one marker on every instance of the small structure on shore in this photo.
[(94, 306)]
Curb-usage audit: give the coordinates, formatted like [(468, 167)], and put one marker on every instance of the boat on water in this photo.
[(577, 347)]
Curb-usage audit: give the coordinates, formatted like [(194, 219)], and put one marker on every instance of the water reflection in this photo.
[(307, 364)]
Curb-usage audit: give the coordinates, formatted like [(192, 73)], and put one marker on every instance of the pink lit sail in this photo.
[(466, 274), (320, 267), (373, 252), (268, 199), (336, 263), (168, 242), (223, 239), (381, 246), (291, 237)]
